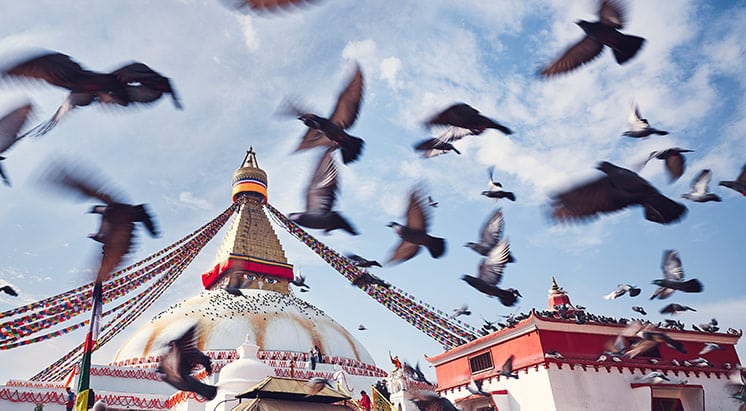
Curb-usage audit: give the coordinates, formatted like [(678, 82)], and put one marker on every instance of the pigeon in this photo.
[(640, 127), (507, 369), (116, 231), (463, 310), (320, 196), (739, 184), (176, 365), (361, 327), (490, 273), (554, 355), (414, 233), (475, 388), (736, 384), (490, 234), (264, 6), (733, 331), (431, 202), (366, 279), (700, 362), (700, 189), (639, 309), (299, 280), (435, 146), (418, 375), (709, 347), (598, 34), (132, 83), (495, 189), (316, 384), (361, 262), (429, 401), (100, 405), (330, 132), (675, 162), (7, 288), (649, 339), (617, 348), (622, 289), (467, 117), (653, 377), (710, 327), (618, 189), (10, 125), (673, 275), (674, 308)]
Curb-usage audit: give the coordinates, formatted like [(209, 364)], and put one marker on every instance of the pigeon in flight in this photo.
[(674, 308), (639, 309), (117, 229), (491, 272), (556, 355), (299, 280), (738, 184), (431, 202), (598, 34), (709, 347), (640, 127), (653, 377), (442, 144), (320, 196), (618, 189), (673, 277), (475, 387), (316, 384), (622, 289), (361, 262), (466, 117), (429, 401), (7, 288), (490, 234), (414, 234), (507, 369), (265, 6), (674, 160), (365, 279), (10, 125), (495, 189), (463, 310), (132, 83), (330, 132), (175, 367), (361, 327), (700, 189), (649, 339)]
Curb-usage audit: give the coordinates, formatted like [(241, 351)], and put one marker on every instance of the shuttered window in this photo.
[(480, 362)]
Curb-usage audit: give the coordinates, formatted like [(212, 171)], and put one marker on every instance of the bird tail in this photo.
[(691, 286), (436, 246), (341, 222), (661, 209), (205, 390), (507, 298), (351, 149), (627, 47)]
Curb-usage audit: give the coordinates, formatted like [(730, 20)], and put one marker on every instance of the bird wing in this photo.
[(635, 119), (459, 114), (117, 243), (81, 184), (454, 133), (641, 347), (144, 83), (675, 165), (266, 5), (55, 68), (322, 190), (492, 266), (348, 103), (580, 53), (141, 214), (11, 124), (417, 216), (742, 177), (169, 366), (507, 367), (612, 13), (701, 183), (588, 200), (671, 265), (404, 251), (492, 229)]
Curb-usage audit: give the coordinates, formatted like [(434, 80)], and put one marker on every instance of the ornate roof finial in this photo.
[(250, 159), (555, 287)]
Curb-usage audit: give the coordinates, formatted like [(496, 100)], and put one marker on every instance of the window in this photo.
[(667, 404), (480, 362)]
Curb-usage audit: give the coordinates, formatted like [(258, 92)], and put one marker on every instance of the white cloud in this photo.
[(250, 36), (390, 67), (190, 199)]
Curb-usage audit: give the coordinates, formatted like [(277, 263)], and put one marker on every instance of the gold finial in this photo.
[(555, 287), (250, 159)]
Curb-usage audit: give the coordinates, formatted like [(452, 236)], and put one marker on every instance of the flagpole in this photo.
[(83, 391)]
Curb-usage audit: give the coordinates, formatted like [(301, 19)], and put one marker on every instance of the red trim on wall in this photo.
[(256, 265)]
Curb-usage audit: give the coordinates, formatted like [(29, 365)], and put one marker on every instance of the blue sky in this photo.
[(232, 71)]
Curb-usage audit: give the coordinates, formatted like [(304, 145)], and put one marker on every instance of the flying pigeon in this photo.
[(414, 233), (467, 117), (653, 377), (366, 279), (361, 327), (673, 277), (507, 369), (700, 189), (431, 202), (639, 309), (435, 146), (330, 132), (131, 83), (429, 401), (674, 308), (495, 189), (264, 6), (554, 355), (175, 367), (490, 273), (640, 127), (598, 34), (463, 310), (118, 219), (7, 288), (649, 339), (475, 387), (316, 384), (674, 159), (709, 347), (361, 262), (299, 280), (738, 184), (622, 289), (618, 189), (320, 196), (490, 235), (617, 348), (10, 125)]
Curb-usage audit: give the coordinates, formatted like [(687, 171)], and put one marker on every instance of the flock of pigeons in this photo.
[(136, 83)]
